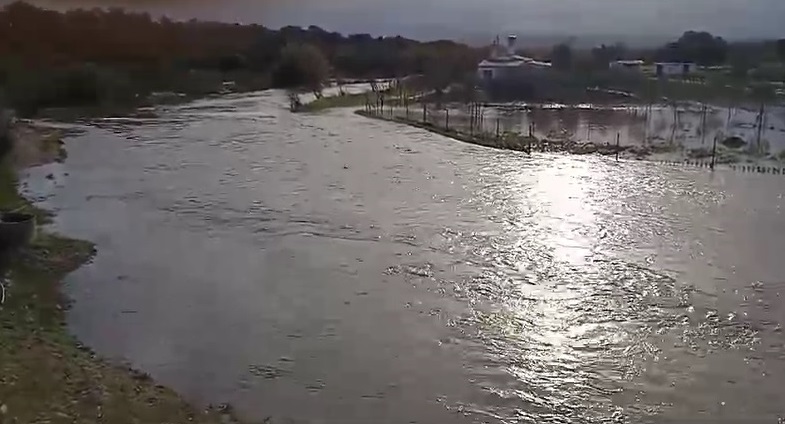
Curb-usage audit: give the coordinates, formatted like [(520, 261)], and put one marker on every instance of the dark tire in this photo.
[(16, 230)]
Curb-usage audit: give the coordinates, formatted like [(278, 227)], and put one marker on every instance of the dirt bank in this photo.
[(35, 144), (46, 375)]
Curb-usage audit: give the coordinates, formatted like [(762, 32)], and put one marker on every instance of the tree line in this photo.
[(50, 58), (100, 57), (729, 71), (699, 47)]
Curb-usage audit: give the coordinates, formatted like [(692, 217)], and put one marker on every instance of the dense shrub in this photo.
[(301, 65), (5, 132)]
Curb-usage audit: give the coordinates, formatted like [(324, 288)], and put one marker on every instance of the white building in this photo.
[(627, 65), (505, 64), (667, 69)]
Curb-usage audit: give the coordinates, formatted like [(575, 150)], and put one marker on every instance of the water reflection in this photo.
[(686, 126), (330, 268)]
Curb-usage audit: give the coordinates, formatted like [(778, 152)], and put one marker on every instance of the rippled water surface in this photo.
[(335, 269)]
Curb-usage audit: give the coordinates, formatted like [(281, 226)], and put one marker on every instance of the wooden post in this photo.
[(617, 146), (713, 153), (424, 117), (703, 124), (761, 123), (471, 119), (446, 119)]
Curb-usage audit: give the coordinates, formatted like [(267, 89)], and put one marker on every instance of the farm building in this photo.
[(669, 69), (627, 65), (505, 64), (506, 75)]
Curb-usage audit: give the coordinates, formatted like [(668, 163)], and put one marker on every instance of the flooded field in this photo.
[(331, 268), (686, 127)]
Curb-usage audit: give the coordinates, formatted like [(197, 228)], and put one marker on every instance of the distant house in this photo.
[(504, 64), (667, 69), (627, 65)]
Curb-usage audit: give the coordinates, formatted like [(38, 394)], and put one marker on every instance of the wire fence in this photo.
[(472, 125)]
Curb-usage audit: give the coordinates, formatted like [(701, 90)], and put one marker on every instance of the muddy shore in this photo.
[(46, 375)]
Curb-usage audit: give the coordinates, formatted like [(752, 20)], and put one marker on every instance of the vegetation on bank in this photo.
[(112, 59), (108, 61)]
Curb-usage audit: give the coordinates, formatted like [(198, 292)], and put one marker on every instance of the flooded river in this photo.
[(335, 269)]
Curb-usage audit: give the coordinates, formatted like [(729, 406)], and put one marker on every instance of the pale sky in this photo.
[(459, 18)]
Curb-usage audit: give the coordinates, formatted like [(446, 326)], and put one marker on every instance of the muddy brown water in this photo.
[(335, 269)]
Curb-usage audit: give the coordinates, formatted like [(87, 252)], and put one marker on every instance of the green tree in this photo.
[(5, 132), (605, 54), (781, 49), (561, 56), (700, 47), (740, 62), (302, 65)]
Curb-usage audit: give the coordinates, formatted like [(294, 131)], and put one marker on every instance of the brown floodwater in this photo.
[(335, 269)]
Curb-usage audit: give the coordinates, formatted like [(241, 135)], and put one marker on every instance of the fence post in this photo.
[(617, 146), (713, 152), (446, 119), (471, 119), (424, 118)]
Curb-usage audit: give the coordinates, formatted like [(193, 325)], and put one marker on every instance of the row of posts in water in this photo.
[(733, 166), (476, 123)]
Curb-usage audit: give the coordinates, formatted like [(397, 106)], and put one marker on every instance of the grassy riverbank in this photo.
[(46, 375)]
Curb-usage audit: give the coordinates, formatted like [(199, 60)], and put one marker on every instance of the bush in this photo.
[(734, 142), (5, 132), (88, 85), (301, 65)]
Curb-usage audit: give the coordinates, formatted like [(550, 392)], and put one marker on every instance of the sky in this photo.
[(472, 19)]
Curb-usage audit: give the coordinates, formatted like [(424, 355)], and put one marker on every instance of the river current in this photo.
[(331, 268)]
